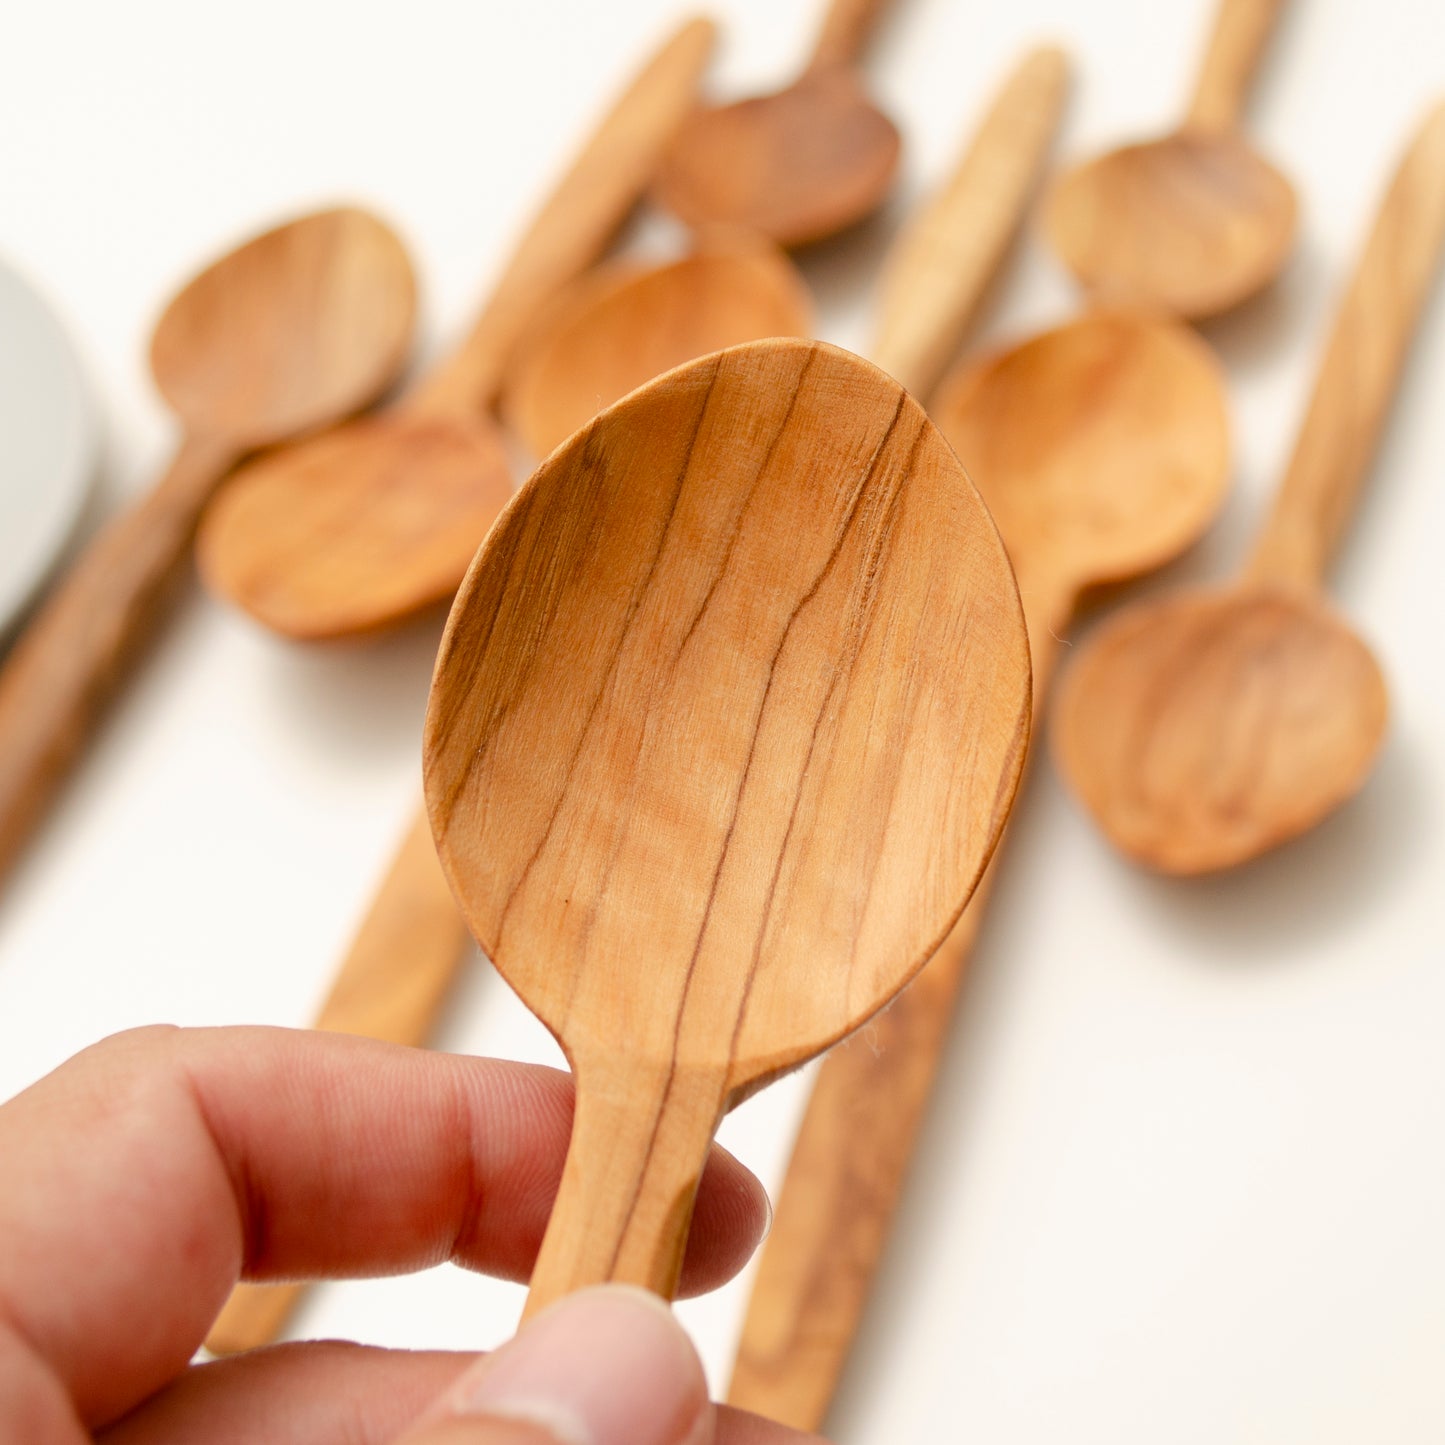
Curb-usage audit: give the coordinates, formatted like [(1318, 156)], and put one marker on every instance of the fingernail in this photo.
[(605, 1366)]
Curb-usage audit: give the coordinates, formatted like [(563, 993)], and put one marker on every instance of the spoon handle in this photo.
[(391, 986), (1357, 378), (940, 265), (847, 24), (1241, 30), (850, 1161), (70, 659), (578, 220), (640, 1138)]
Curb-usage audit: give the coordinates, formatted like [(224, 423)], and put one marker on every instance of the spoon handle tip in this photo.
[(1357, 378)]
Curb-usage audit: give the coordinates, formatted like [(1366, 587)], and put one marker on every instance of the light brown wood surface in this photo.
[(1197, 221), (372, 524), (1102, 451), (293, 330), (797, 165), (623, 327), (940, 265), (391, 986), (1205, 728), (726, 721)]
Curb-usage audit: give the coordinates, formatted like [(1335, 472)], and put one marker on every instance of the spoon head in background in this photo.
[(1209, 727), (305, 323), (728, 715), (798, 165), (1194, 223), (357, 529), (1101, 447), (614, 332)]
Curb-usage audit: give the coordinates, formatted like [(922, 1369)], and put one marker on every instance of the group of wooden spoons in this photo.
[(733, 700)]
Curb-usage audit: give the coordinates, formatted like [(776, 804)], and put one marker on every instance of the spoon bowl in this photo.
[(725, 724), (798, 165), (620, 330), (1218, 723), (288, 332), (412, 469), (1101, 447), (1194, 222)]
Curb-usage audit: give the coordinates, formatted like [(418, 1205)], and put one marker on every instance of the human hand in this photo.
[(143, 1178)]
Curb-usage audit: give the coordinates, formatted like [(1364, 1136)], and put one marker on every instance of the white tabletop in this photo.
[(1185, 1179)]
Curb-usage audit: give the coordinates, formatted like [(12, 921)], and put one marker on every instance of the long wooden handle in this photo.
[(578, 220), (391, 986), (1356, 379), (944, 258), (69, 661), (849, 1163), (1241, 30), (640, 1138), (847, 24)]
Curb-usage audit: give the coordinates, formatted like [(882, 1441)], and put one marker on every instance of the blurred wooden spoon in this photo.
[(1196, 221), (628, 324), (373, 523), (797, 165), (1203, 729), (297, 328), (726, 720)]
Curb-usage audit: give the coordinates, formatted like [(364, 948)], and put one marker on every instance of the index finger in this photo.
[(158, 1167)]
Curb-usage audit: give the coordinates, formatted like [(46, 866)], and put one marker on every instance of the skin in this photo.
[(151, 1172)]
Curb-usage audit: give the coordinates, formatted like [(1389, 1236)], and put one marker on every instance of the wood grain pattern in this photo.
[(620, 330), (797, 165), (1102, 451), (1208, 727), (298, 327), (391, 985), (725, 724), (944, 257), (373, 524), (1197, 221)]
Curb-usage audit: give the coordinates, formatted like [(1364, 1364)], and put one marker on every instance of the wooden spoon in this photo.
[(369, 525), (297, 328), (1205, 728), (620, 329), (1194, 222), (1093, 474), (726, 720), (798, 165)]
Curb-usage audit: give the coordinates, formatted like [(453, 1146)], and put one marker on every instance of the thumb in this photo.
[(605, 1366)]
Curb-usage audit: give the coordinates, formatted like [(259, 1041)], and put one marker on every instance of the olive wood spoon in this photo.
[(1196, 221), (797, 165), (726, 720), (1209, 726), (290, 332), (625, 325), (1072, 513), (373, 523)]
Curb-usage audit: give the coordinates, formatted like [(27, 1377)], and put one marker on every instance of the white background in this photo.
[(1185, 1179)]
